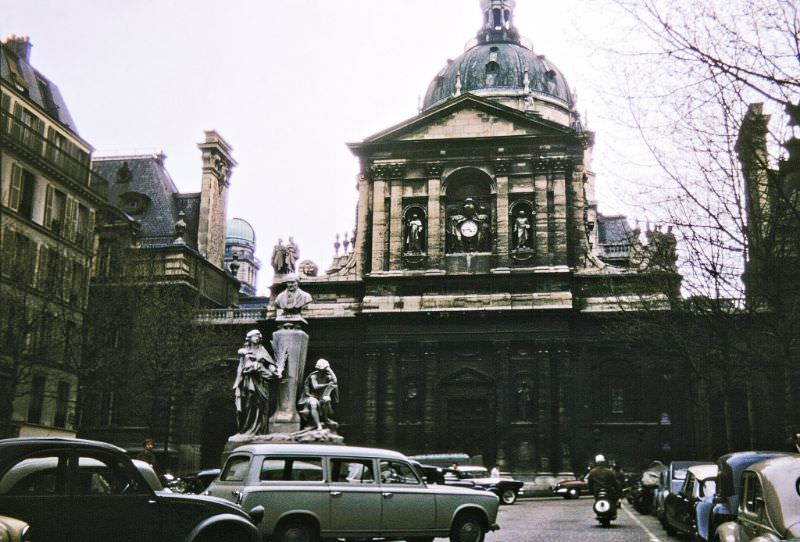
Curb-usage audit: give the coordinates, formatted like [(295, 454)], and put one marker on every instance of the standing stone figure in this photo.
[(522, 231), (256, 377), (291, 255), (414, 241), (320, 392), (278, 261)]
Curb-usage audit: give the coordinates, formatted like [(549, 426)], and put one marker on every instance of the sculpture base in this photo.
[(305, 436)]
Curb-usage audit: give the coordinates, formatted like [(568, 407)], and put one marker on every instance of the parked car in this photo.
[(770, 505), (642, 494), (13, 530), (504, 487), (312, 491), (671, 481), (572, 489), (82, 490), (680, 507), (729, 486), (197, 482)]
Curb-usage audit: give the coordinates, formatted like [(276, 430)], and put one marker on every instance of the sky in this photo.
[(288, 84)]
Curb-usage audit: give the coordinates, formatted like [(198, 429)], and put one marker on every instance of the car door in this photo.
[(355, 496), (752, 516), (111, 500), (684, 505), (408, 506), (33, 488)]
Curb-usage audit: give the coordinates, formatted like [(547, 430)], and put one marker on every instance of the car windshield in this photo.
[(680, 474)]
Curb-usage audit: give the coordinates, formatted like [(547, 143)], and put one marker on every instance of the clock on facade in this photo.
[(468, 228)]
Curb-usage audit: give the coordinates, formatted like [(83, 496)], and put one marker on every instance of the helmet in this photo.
[(599, 458), (322, 364)]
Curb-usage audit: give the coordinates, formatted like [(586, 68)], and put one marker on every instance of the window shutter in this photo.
[(15, 193), (71, 219), (48, 207), (44, 267)]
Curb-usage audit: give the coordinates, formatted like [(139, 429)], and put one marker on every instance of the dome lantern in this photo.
[(498, 19)]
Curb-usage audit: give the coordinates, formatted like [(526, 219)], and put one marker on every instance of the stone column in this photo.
[(545, 437), (540, 226), (578, 215), (562, 373), (379, 224), (362, 226), (502, 356), (435, 233), (390, 385), (372, 359), (502, 233), (560, 218), (396, 224), (430, 356)]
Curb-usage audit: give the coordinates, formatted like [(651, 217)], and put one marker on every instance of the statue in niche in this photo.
[(523, 401), (255, 385), (411, 402), (522, 231), (320, 393), (468, 227), (414, 239)]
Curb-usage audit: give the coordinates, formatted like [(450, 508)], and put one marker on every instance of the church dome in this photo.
[(240, 232), (499, 63)]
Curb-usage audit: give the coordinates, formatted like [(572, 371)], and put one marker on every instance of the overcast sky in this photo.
[(288, 84)]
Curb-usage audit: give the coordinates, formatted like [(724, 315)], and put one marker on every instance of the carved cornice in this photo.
[(434, 171), (546, 163), (502, 167)]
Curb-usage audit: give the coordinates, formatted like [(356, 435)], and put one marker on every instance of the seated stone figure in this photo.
[(320, 392)]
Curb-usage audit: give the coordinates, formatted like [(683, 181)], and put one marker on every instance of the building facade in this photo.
[(49, 201)]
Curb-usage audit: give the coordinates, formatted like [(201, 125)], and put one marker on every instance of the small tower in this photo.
[(217, 166)]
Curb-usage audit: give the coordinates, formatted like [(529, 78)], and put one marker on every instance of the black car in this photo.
[(507, 489), (82, 490), (196, 482)]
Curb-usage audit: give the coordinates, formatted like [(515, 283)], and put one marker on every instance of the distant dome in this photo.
[(495, 65), (240, 232)]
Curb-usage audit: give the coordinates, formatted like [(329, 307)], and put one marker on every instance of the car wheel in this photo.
[(572, 494), (670, 529), (420, 539), (221, 533), (467, 527), (605, 522), (296, 530), (508, 496)]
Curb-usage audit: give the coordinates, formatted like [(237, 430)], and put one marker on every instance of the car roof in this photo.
[(317, 449), (34, 443), (779, 479), (731, 467), (471, 467), (704, 471)]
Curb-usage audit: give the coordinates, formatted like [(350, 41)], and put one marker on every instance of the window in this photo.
[(752, 495), (397, 472), (20, 196), (37, 399), (83, 231), (62, 404), (16, 74), (300, 469), (54, 209), (235, 469), (27, 128), (617, 401), (42, 474), (352, 471), (99, 475)]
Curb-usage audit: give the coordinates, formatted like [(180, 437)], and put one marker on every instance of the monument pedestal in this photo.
[(290, 345)]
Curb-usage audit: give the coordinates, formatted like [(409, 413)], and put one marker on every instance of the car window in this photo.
[(752, 493), (352, 471), (235, 469), (35, 475), (398, 472), (709, 487), (680, 474), (101, 475), (688, 486), (298, 469)]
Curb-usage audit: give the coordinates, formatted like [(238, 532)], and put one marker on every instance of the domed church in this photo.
[(472, 313)]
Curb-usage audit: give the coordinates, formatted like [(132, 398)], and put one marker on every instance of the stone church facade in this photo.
[(477, 308)]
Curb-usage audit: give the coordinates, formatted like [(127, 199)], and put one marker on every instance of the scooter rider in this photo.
[(603, 477)]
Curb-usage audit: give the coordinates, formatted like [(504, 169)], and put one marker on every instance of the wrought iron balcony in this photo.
[(75, 168)]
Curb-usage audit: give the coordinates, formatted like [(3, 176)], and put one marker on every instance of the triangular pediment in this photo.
[(468, 116)]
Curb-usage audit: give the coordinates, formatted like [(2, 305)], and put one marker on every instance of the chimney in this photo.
[(20, 45)]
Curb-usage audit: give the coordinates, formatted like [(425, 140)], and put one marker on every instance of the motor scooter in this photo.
[(605, 507)]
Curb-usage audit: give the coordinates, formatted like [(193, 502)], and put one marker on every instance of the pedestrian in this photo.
[(147, 454), (495, 472)]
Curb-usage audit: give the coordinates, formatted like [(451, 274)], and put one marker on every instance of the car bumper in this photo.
[(494, 527)]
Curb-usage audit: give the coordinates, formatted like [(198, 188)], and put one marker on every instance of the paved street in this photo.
[(549, 520)]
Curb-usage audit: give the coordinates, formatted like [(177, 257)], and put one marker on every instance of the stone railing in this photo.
[(230, 316)]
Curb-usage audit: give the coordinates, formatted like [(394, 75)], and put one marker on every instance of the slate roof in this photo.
[(150, 182), (614, 230), (53, 104)]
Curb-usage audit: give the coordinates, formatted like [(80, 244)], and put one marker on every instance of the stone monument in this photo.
[(273, 401)]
